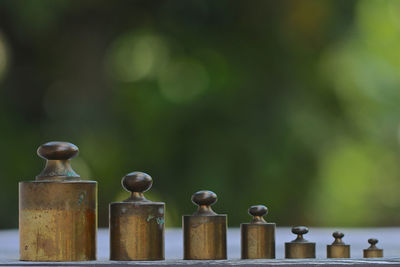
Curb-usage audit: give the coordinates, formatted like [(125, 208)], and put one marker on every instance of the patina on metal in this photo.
[(373, 251), (338, 249), (299, 248), (58, 211), (258, 236), (204, 232), (137, 224)]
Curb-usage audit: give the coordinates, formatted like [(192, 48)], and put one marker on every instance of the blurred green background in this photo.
[(291, 104)]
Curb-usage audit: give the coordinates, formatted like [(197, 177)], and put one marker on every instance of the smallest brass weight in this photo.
[(338, 249), (373, 251), (258, 236), (299, 248)]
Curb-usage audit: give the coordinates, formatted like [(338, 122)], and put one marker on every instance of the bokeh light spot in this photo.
[(3, 57), (183, 80), (137, 56)]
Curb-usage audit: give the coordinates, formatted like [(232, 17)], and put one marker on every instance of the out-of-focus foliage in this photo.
[(291, 104)]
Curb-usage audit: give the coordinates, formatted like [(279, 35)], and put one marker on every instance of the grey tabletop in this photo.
[(389, 240)]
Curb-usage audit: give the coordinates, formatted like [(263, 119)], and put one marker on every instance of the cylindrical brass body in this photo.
[(373, 253), (58, 220), (258, 240), (137, 231), (338, 251), (204, 237), (299, 250)]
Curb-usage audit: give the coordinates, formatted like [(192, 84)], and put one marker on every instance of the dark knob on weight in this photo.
[(338, 237), (258, 212), (373, 242), (57, 151), (204, 199), (137, 183), (299, 231), (57, 156)]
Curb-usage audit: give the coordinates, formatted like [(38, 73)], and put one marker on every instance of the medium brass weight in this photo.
[(58, 210), (299, 248), (258, 236), (338, 249), (137, 224), (373, 251), (204, 232)]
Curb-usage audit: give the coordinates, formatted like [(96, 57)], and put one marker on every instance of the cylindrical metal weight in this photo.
[(137, 231), (258, 241), (299, 250), (58, 220), (338, 251), (204, 237)]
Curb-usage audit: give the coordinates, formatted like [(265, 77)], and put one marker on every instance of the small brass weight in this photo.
[(299, 248), (204, 232), (137, 224), (58, 210), (373, 251), (338, 249), (258, 236)]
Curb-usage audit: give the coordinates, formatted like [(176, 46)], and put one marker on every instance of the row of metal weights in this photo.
[(58, 221)]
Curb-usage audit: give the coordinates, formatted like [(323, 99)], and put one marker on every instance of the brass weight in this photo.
[(137, 224), (299, 248), (258, 236), (204, 232), (373, 251), (338, 249), (58, 211)]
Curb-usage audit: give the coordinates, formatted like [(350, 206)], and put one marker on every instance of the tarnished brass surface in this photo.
[(338, 249), (58, 212), (373, 251), (299, 248), (57, 156), (57, 221), (137, 224), (204, 232), (258, 237)]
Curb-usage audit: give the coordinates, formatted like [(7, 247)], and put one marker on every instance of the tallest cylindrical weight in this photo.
[(58, 211)]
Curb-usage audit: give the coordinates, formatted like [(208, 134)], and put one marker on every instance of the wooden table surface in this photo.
[(389, 240)]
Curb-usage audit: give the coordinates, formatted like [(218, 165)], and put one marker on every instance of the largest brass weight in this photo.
[(57, 211)]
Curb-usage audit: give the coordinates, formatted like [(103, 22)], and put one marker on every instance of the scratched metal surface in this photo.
[(389, 240)]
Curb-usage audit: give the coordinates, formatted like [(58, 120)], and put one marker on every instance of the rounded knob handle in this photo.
[(338, 235), (299, 230), (57, 155), (373, 241), (338, 238), (57, 151), (137, 183), (204, 199), (258, 211)]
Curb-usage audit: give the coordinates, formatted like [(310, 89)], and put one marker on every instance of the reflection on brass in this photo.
[(57, 211), (137, 224), (299, 248), (204, 232), (258, 236), (373, 251), (338, 249)]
